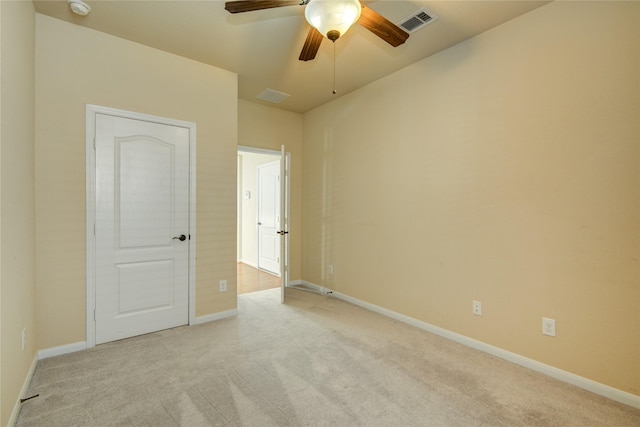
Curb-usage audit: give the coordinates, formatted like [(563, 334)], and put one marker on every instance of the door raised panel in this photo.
[(270, 246), (144, 286), (268, 205), (144, 191)]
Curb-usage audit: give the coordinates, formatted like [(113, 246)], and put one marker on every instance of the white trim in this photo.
[(249, 263), (285, 159), (245, 149), (192, 223), (25, 386), (312, 286), (90, 266), (62, 349), (90, 119), (216, 316), (82, 345), (559, 374)]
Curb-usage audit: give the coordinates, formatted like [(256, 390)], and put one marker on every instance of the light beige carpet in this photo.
[(314, 361)]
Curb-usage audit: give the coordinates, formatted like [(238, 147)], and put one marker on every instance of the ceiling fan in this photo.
[(329, 18)]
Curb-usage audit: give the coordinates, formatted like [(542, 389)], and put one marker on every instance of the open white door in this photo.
[(284, 221)]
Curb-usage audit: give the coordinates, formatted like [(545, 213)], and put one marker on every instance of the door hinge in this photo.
[(94, 143), (94, 229), (94, 315)]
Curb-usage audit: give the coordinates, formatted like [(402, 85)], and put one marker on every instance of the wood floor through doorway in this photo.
[(252, 280)]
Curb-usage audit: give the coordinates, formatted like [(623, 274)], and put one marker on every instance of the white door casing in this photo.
[(269, 216), (141, 277), (283, 226)]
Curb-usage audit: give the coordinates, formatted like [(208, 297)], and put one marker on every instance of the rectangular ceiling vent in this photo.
[(273, 96), (417, 20)]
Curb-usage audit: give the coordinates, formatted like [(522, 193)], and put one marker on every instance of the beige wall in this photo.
[(77, 66), (17, 226), (504, 170), (261, 126)]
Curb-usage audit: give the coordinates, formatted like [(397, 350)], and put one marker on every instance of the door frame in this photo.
[(91, 111), (285, 160)]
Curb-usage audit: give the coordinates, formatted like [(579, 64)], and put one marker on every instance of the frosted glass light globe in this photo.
[(332, 15)]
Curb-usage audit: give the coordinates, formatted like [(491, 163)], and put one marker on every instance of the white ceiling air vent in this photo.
[(273, 96), (417, 20)]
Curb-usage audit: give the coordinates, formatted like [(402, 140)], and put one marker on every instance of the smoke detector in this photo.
[(79, 7)]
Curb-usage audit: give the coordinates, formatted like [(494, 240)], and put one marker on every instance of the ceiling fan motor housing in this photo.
[(333, 35)]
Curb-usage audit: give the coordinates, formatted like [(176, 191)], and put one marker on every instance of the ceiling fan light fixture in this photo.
[(332, 17)]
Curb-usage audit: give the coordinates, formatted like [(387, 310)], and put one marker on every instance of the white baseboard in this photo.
[(297, 282), (216, 316), (249, 263), (63, 349), (25, 386), (319, 289), (82, 345), (559, 374)]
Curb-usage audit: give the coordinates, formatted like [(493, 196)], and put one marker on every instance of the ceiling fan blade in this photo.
[(250, 5), (311, 45), (382, 27)]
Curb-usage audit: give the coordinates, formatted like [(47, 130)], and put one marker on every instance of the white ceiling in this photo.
[(262, 47)]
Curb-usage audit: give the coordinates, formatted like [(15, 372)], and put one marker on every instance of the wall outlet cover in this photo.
[(476, 308), (548, 327)]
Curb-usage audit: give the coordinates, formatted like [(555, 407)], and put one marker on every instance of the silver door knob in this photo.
[(182, 238)]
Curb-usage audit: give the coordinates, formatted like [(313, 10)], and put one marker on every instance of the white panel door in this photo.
[(142, 227), (269, 217), (285, 185)]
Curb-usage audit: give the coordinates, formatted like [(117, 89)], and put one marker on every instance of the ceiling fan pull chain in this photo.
[(334, 68)]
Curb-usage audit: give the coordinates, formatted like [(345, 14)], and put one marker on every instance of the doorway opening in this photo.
[(259, 205)]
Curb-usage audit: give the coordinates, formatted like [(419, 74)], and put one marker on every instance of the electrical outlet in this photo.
[(223, 286), (548, 327), (476, 308), (24, 337), (330, 269)]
